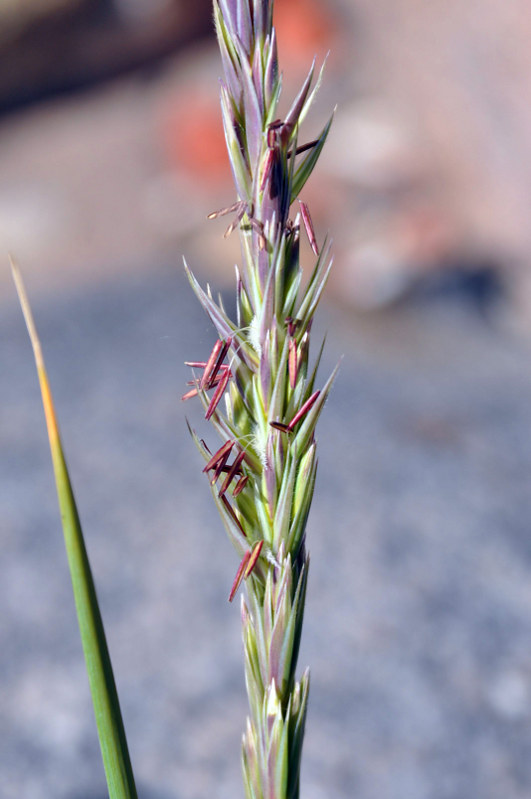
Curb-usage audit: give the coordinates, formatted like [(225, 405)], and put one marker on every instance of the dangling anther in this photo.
[(213, 365), (232, 514), (209, 365), (212, 383), (240, 485), (251, 563), (218, 461), (247, 564), (293, 366), (240, 208), (236, 221), (272, 138), (303, 410), (239, 575), (283, 428), (195, 365), (258, 227), (223, 452), (308, 226), (220, 468), (229, 210), (218, 393), (268, 166), (302, 148), (192, 393), (232, 472)]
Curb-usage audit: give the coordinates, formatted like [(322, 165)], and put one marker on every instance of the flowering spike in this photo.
[(273, 471)]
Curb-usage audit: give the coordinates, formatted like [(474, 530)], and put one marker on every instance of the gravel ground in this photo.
[(418, 622)]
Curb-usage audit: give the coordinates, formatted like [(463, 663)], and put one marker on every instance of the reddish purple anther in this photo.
[(284, 428), (213, 365), (232, 472), (232, 513), (218, 393), (308, 226), (292, 362), (239, 575), (240, 485), (303, 410), (221, 455), (255, 554)]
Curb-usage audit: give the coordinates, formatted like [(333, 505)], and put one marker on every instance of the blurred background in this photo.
[(419, 613)]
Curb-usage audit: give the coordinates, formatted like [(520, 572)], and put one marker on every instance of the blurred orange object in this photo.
[(193, 137), (305, 28)]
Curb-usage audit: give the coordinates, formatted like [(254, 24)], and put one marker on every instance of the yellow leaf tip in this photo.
[(26, 310)]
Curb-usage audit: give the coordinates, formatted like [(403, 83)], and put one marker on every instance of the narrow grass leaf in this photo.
[(115, 754)]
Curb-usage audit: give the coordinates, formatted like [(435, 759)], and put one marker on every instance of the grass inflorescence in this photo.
[(259, 388)]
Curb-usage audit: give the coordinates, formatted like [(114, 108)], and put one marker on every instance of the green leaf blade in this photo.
[(111, 732)]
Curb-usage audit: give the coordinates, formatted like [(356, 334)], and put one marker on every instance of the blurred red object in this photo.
[(305, 28), (194, 139)]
